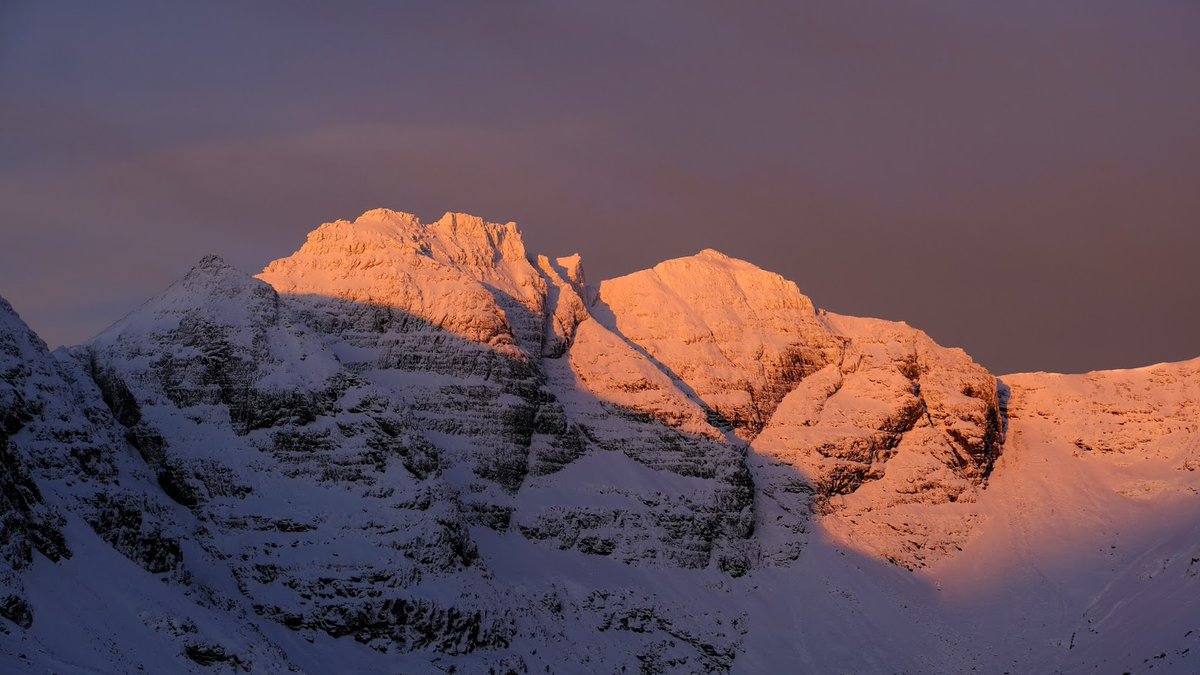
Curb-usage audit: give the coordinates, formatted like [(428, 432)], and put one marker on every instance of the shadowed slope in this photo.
[(415, 447)]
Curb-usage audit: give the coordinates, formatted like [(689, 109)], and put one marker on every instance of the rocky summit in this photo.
[(414, 447)]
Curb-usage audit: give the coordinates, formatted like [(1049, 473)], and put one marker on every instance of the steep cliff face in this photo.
[(348, 432), (735, 336), (899, 421), (459, 275), (413, 445), (287, 456), (84, 516), (63, 455), (487, 353), (26, 522), (846, 416), (448, 318)]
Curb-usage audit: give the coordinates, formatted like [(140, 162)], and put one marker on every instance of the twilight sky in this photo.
[(1021, 179)]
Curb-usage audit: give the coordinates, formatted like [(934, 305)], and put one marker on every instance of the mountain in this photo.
[(412, 447)]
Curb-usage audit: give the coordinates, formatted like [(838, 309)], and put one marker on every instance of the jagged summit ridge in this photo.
[(459, 273), (414, 446), (732, 340), (212, 263), (460, 237), (706, 344)]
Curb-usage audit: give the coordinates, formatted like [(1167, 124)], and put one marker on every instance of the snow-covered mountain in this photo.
[(415, 447)]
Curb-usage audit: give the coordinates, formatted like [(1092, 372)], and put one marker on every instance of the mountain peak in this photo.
[(455, 272), (573, 266), (212, 271), (462, 235), (452, 233), (453, 238), (212, 263), (711, 267), (457, 218), (465, 224), (212, 288), (709, 261), (388, 216), (6, 308), (12, 326), (463, 461)]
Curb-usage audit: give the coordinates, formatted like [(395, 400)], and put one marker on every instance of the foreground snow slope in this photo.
[(1091, 521), (413, 446)]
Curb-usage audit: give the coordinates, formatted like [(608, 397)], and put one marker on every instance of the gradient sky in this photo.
[(1021, 179)]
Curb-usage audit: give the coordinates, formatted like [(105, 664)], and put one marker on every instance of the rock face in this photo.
[(863, 415), (79, 473), (452, 319), (1141, 414), (897, 421), (26, 522), (414, 445), (458, 275), (286, 456), (737, 337)]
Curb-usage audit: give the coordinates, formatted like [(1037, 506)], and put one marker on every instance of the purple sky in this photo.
[(1021, 179)]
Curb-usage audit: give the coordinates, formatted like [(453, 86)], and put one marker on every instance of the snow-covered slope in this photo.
[(1092, 523), (101, 569), (414, 446)]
